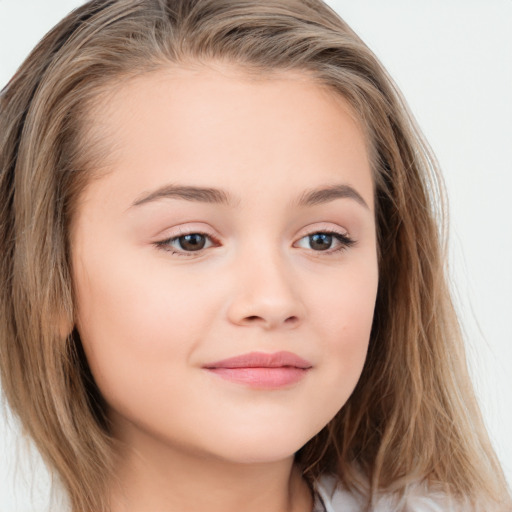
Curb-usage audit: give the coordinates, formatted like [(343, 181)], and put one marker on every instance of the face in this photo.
[(225, 264)]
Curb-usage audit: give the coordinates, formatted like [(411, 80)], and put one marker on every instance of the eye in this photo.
[(192, 242), (325, 241), (186, 243)]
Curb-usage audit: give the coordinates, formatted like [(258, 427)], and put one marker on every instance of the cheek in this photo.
[(135, 322), (345, 317)]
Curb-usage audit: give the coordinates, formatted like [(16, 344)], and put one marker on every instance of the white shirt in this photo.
[(330, 497)]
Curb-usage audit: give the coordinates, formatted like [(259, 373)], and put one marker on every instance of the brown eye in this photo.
[(320, 241), (325, 241), (192, 242), (187, 245)]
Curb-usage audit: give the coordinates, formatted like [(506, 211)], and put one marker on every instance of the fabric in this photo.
[(329, 497)]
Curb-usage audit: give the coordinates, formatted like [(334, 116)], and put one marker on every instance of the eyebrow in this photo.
[(330, 193), (188, 193), (218, 196)]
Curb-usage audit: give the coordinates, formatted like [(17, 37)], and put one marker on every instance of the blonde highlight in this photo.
[(414, 403)]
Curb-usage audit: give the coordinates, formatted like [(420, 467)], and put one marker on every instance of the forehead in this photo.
[(214, 122)]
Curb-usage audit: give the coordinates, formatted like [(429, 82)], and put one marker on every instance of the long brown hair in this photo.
[(412, 417)]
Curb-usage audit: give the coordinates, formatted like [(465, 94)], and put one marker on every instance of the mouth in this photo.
[(262, 371)]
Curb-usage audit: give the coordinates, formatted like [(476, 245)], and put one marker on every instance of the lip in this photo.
[(260, 370)]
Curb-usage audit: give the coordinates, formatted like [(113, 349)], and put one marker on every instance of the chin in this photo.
[(260, 448), (258, 455)]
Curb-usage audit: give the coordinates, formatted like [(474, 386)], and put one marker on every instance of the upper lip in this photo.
[(261, 360)]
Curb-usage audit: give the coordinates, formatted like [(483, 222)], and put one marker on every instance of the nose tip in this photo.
[(265, 296), (270, 321)]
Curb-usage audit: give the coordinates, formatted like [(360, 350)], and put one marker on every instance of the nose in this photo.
[(265, 294)]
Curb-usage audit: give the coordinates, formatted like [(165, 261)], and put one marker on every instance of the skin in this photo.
[(151, 314)]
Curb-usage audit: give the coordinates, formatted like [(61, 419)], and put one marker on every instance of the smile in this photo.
[(262, 371)]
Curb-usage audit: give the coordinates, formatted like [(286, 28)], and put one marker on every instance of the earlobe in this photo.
[(65, 325), (65, 330)]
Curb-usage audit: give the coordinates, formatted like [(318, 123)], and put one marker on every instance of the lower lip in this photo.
[(262, 378)]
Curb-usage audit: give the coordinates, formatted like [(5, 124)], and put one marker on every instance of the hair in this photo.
[(412, 417)]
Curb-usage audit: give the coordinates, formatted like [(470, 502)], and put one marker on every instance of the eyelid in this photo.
[(344, 240), (342, 236), (164, 243), (183, 229), (323, 227)]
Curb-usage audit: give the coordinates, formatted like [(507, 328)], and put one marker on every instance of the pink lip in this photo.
[(260, 370)]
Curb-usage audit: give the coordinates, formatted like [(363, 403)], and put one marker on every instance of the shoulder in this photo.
[(331, 497)]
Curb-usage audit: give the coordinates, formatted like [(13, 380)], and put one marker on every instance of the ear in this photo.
[(65, 324), (65, 329)]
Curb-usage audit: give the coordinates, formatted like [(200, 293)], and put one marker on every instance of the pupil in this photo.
[(193, 242), (320, 241)]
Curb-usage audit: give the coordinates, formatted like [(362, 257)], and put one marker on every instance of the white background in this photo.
[(453, 61)]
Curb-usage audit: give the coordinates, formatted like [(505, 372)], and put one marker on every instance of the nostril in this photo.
[(291, 320)]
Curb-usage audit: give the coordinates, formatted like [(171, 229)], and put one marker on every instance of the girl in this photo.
[(222, 277)]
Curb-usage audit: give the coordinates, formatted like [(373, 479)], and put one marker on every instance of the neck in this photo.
[(167, 479)]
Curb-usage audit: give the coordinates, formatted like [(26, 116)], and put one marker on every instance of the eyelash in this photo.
[(165, 244), (345, 242)]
